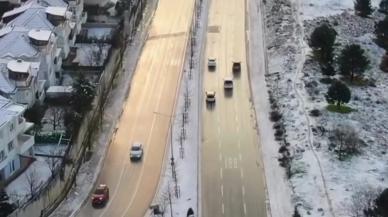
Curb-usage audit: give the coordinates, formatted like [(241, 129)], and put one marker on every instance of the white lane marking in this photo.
[(245, 209), (240, 156), (142, 168), (230, 162), (222, 190), (221, 173), (236, 117), (220, 157), (226, 164), (243, 190), (223, 208), (239, 144), (241, 173), (219, 144), (235, 163)]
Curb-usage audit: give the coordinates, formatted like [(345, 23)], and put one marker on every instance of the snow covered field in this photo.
[(321, 184)]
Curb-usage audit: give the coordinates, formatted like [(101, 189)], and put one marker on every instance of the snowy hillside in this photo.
[(322, 184)]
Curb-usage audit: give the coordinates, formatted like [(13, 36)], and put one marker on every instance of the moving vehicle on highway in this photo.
[(228, 83), (210, 96), (236, 67), (100, 195), (211, 63), (136, 152)]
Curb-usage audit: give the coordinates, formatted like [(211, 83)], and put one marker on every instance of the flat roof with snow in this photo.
[(57, 11), (39, 34), (18, 66)]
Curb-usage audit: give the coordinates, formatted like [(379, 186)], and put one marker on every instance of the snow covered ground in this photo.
[(187, 155), (38, 172), (321, 184)]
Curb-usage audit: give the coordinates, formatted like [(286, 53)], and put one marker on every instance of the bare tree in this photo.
[(345, 141), (53, 161), (56, 116), (362, 200), (32, 182)]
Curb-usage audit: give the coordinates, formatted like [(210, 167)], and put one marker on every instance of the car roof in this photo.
[(211, 92), (136, 144), (102, 186), (228, 79), (211, 58)]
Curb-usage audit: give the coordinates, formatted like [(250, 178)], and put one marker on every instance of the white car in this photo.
[(136, 152), (211, 63), (210, 96), (228, 83)]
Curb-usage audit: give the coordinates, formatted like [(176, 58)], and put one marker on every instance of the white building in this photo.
[(16, 147), (36, 56)]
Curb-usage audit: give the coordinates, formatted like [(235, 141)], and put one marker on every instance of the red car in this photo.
[(100, 196)]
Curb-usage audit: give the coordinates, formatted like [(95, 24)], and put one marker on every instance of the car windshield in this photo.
[(99, 191), (228, 82), (135, 148)]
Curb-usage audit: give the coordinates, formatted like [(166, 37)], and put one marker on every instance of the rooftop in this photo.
[(19, 66), (38, 34), (57, 11), (8, 110), (16, 44)]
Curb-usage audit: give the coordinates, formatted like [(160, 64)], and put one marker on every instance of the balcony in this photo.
[(25, 142)]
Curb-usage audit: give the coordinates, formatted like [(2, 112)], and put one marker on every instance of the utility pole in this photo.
[(169, 200)]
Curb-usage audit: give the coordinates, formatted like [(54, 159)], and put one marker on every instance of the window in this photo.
[(2, 156), (10, 146)]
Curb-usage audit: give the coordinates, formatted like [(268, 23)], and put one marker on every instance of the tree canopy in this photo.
[(338, 93), (363, 8), (322, 41), (352, 61)]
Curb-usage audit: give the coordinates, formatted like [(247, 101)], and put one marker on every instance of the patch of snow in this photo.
[(321, 184), (323, 8), (99, 32), (91, 54)]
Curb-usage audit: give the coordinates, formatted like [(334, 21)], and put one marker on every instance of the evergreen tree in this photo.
[(363, 8), (381, 32), (338, 93), (381, 208), (352, 61), (322, 41), (383, 6), (82, 95), (296, 212)]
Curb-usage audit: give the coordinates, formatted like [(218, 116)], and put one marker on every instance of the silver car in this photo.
[(136, 152)]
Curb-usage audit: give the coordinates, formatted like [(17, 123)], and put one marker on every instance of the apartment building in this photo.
[(28, 63), (16, 147)]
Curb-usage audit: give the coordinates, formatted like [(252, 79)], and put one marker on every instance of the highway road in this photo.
[(146, 115), (232, 177)]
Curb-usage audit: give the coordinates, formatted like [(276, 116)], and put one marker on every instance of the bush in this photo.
[(275, 116), (326, 80), (345, 142), (343, 109), (48, 138), (315, 113)]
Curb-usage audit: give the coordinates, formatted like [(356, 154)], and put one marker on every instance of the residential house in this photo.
[(35, 55), (16, 147)]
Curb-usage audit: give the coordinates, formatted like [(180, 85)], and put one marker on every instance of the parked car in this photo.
[(211, 63), (236, 67), (100, 195), (228, 83), (136, 152), (210, 96)]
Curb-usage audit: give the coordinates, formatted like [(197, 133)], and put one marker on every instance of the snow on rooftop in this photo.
[(5, 30), (59, 89), (58, 11), (9, 109), (18, 10), (39, 34), (18, 66)]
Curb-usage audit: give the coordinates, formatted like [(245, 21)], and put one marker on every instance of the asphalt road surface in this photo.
[(231, 174), (146, 116)]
